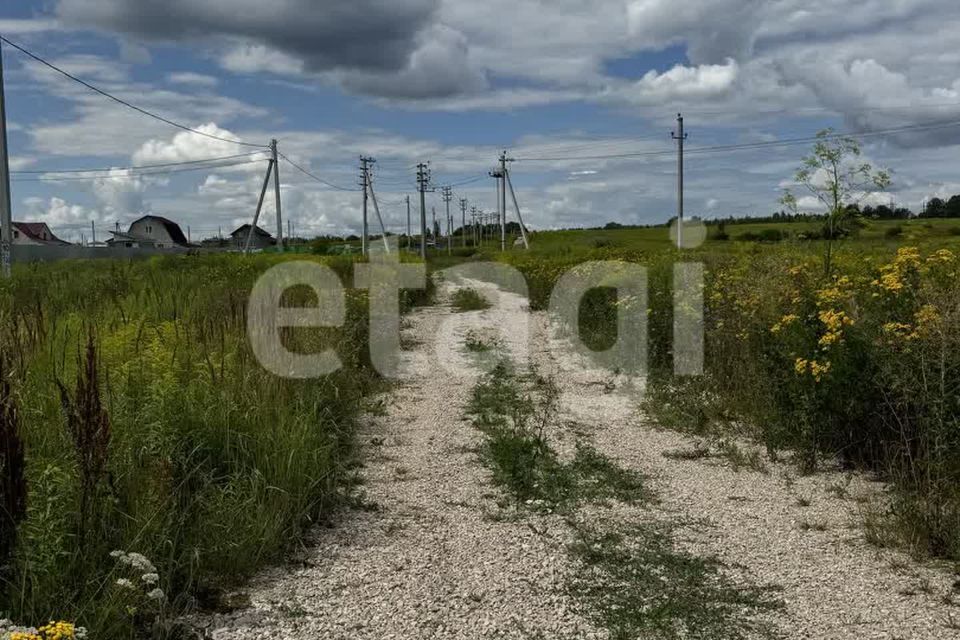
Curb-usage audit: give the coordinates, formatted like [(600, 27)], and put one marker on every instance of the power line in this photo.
[(123, 102), (54, 178), (134, 167), (749, 145), (315, 177)]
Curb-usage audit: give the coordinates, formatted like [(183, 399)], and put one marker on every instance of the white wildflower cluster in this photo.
[(139, 564)]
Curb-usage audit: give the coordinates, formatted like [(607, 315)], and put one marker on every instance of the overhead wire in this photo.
[(133, 167), (126, 103), (315, 177)]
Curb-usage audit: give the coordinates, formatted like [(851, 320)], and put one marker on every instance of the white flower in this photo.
[(117, 553), (150, 578), (126, 584), (156, 594), (80, 632), (140, 562)]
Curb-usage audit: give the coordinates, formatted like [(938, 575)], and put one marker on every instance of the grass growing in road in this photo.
[(514, 412), (629, 579), (635, 583), (468, 299)]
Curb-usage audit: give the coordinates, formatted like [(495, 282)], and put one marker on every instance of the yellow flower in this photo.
[(830, 338), (785, 321), (819, 370), (943, 255), (800, 366), (834, 320)]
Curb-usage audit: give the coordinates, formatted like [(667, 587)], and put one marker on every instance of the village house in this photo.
[(35, 233), (153, 232), (261, 239)]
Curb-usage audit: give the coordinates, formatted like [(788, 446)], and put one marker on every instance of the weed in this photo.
[(467, 299), (636, 584)]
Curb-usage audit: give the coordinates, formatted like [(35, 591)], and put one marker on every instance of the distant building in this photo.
[(261, 239), (153, 232), (35, 233)]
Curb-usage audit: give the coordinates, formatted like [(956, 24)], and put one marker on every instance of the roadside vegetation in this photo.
[(147, 461), (467, 299), (839, 346)]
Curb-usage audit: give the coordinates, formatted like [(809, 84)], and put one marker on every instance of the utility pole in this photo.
[(423, 183), (6, 215), (447, 198), (376, 207), (497, 175), (679, 137), (433, 228), (276, 191), (93, 232), (271, 165), (188, 236), (503, 201), (463, 221), (365, 183), (409, 239)]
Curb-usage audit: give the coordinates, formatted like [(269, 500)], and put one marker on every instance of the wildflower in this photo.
[(897, 328), (124, 583), (785, 321), (156, 594), (819, 370), (58, 631), (150, 578), (830, 338), (943, 255), (800, 366), (138, 561)]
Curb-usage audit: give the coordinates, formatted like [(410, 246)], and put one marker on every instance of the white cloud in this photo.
[(191, 79)]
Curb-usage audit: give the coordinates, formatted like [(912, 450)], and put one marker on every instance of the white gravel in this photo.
[(432, 563)]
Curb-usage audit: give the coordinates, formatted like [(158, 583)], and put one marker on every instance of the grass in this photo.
[(629, 579), (857, 366), (165, 437), (467, 299), (633, 582)]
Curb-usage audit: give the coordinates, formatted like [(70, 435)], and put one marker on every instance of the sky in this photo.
[(570, 88)]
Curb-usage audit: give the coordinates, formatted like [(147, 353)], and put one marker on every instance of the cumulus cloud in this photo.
[(361, 34), (187, 146), (120, 194), (683, 83), (57, 212)]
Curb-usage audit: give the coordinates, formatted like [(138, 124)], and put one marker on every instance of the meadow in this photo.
[(148, 462), (857, 367)]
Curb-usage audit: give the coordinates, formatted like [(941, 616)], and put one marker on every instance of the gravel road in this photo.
[(437, 559)]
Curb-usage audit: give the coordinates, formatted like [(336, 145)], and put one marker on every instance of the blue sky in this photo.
[(454, 81)]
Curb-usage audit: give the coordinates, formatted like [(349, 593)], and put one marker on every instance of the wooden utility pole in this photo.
[(6, 215), (423, 182), (680, 138), (276, 191)]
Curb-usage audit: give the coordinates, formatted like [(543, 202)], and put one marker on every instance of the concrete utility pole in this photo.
[(93, 232), (503, 201), (256, 217), (497, 175), (276, 192), (409, 239), (376, 209), (679, 137), (365, 183), (513, 196), (423, 182), (463, 221), (447, 198), (6, 215)]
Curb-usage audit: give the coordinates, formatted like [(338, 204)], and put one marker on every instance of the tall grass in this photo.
[(861, 367), (149, 428)]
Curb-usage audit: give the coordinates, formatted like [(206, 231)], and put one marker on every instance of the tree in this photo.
[(833, 176), (936, 208)]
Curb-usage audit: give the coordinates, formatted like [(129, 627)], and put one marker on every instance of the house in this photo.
[(35, 233), (261, 239), (150, 232)]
